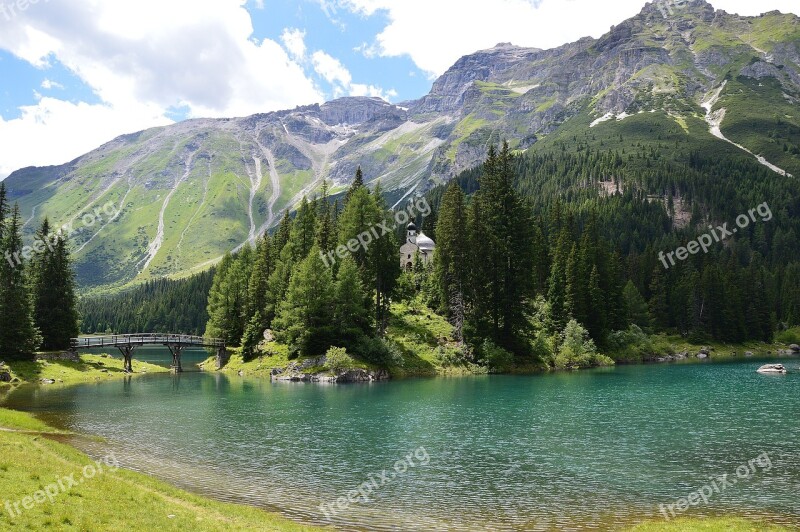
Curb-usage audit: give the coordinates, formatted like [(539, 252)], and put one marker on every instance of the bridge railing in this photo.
[(115, 340)]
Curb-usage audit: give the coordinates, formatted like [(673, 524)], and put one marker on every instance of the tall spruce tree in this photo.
[(19, 338), (53, 287), (506, 227), (453, 257), (305, 318)]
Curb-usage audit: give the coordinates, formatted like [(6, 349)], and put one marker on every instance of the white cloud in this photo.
[(142, 58), (335, 73), (331, 69), (415, 27), (294, 41), (54, 131), (50, 84)]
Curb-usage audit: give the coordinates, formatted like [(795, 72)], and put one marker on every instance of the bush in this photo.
[(496, 358), (338, 360), (405, 289), (577, 350), (789, 336), (380, 352)]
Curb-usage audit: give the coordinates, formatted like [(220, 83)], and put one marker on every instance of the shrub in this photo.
[(577, 350), (338, 360), (496, 358), (789, 336), (380, 352)]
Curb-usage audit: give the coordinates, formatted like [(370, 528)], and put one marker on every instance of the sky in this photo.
[(77, 73)]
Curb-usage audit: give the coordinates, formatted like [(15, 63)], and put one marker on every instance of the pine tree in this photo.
[(19, 337), (325, 233), (659, 307), (351, 315), (452, 256), (382, 255), (303, 231), (305, 317), (636, 311), (53, 290), (506, 227), (256, 311), (357, 184), (227, 300)]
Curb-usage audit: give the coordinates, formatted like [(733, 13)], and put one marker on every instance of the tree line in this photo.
[(158, 306), (285, 283), (37, 288)]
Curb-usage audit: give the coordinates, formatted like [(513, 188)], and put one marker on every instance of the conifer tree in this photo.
[(303, 233), (351, 314), (53, 290), (358, 183), (452, 256), (19, 337), (305, 318)]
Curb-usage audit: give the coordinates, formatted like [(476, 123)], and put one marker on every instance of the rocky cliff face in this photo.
[(189, 192)]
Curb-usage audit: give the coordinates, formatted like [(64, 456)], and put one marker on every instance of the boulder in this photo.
[(702, 355), (772, 368), (48, 381), (748, 353), (795, 348), (5, 376), (704, 351)]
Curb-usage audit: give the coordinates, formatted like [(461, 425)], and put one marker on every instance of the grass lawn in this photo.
[(91, 368), (115, 499)]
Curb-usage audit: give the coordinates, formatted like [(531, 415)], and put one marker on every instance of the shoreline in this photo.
[(35, 453)]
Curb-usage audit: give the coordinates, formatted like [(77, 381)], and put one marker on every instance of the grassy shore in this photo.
[(117, 499), (91, 368), (721, 524), (114, 499)]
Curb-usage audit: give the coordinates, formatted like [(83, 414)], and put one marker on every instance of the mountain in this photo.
[(189, 192)]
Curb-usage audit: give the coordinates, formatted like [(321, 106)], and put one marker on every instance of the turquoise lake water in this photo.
[(596, 449)]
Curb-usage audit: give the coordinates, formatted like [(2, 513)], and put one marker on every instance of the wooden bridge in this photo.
[(176, 343)]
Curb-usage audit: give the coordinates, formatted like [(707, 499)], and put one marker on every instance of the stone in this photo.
[(702, 355), (5, 376), (795, 348), (772, 368), (748, 354), (704, 350), (48, 381)]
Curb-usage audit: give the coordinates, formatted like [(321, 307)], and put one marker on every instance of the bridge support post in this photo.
[(222, 357), (127, 354), (176, 349)]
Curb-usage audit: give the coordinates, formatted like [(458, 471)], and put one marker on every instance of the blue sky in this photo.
[(77, 73)]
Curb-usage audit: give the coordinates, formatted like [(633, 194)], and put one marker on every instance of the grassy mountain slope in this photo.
[(678, 77)]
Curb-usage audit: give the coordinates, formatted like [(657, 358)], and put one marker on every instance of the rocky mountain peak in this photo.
[(677, 9)]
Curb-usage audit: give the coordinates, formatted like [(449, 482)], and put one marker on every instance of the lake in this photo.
[(591, 449)]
